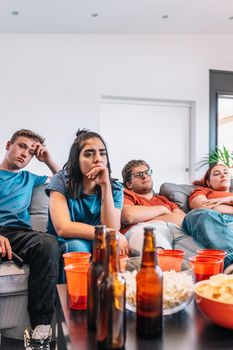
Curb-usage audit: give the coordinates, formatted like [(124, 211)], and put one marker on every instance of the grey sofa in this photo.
[(13, 280), (179, 194)]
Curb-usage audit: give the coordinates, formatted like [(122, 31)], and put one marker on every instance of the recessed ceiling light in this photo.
[(164, 16), (15, 13), (231, 17), (95, 14)]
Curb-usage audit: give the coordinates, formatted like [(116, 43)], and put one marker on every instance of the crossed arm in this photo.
[(137, 213), (223, 205)]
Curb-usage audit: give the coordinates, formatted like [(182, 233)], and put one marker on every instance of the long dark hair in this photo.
[(72, 167)]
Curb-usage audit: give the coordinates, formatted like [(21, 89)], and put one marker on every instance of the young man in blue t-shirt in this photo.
[(37, 249)]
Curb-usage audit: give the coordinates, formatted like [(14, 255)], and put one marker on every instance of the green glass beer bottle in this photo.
[(149, 291), (111, 324)]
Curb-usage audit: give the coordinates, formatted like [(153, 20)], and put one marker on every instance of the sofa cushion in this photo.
[(163, 234), (13, 279), (14, 315), (39, 208), (185, 242), (177, 193)]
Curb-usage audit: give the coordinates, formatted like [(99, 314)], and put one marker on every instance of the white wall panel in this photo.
[(156, 132), (54, 83)]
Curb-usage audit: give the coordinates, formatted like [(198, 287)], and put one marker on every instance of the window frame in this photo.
[(220, 83)]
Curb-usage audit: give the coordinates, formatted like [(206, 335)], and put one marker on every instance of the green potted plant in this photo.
[(222, 156)]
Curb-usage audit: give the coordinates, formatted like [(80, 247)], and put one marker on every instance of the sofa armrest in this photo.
[(13, 279), (39, 209)]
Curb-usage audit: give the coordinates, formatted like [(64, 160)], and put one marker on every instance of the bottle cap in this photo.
[(112, 234), (100, 228), (148, 230)]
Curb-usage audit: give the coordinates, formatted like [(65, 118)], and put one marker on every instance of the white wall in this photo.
[(53, 83)]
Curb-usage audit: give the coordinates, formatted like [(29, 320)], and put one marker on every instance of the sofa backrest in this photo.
[(39, 209), (177, 193)]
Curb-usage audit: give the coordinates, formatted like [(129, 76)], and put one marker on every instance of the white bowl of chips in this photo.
[(215, 299), (177, 286)]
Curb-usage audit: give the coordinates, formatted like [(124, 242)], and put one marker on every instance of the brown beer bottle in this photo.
[(111, 324), (94, 272), (149, 297)]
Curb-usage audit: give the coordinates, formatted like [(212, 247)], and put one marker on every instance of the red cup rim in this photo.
[(171, 252), (213, 251), (205, 259), (75, 254)]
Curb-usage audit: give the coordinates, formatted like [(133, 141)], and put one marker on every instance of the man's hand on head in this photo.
[(5, 247), (42, 154)]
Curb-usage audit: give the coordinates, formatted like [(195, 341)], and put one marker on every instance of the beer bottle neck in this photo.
[(113, 257), (149, 256), (99, 249)]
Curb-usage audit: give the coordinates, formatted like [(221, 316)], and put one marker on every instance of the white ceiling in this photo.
[(117, 16)]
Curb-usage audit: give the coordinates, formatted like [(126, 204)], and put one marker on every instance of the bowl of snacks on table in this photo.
[(214, 297), (177, 286)]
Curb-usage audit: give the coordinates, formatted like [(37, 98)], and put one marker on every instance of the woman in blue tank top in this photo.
[(83, 195)]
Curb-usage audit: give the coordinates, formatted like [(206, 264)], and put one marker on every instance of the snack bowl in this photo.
[(177, 286), (214, 298), (133, 264)]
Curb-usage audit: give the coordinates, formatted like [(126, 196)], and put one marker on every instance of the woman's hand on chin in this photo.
[(99, 174)]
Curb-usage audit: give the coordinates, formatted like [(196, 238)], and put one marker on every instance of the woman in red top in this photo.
[(214, 192), (211, 223)]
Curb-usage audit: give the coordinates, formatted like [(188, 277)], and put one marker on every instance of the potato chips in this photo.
[(218, 287)]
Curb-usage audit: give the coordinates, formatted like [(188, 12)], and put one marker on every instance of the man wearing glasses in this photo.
[(142, 207)]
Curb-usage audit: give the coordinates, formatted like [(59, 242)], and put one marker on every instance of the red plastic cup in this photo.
[(170, 259), (76, 277), (213, 252), (76, 257), (205, 266)]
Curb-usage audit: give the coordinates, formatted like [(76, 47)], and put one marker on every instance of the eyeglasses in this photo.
[(147, 172)]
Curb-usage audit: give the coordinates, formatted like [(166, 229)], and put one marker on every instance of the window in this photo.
[(225, 121), (221, 109)]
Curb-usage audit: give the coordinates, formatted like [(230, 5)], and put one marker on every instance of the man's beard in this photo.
[(145, 190)]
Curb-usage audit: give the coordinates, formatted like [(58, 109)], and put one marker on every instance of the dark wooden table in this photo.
[(185, 330)]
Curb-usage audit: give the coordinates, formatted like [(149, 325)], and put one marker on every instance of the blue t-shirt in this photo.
[(86, 208), (15, 197)]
